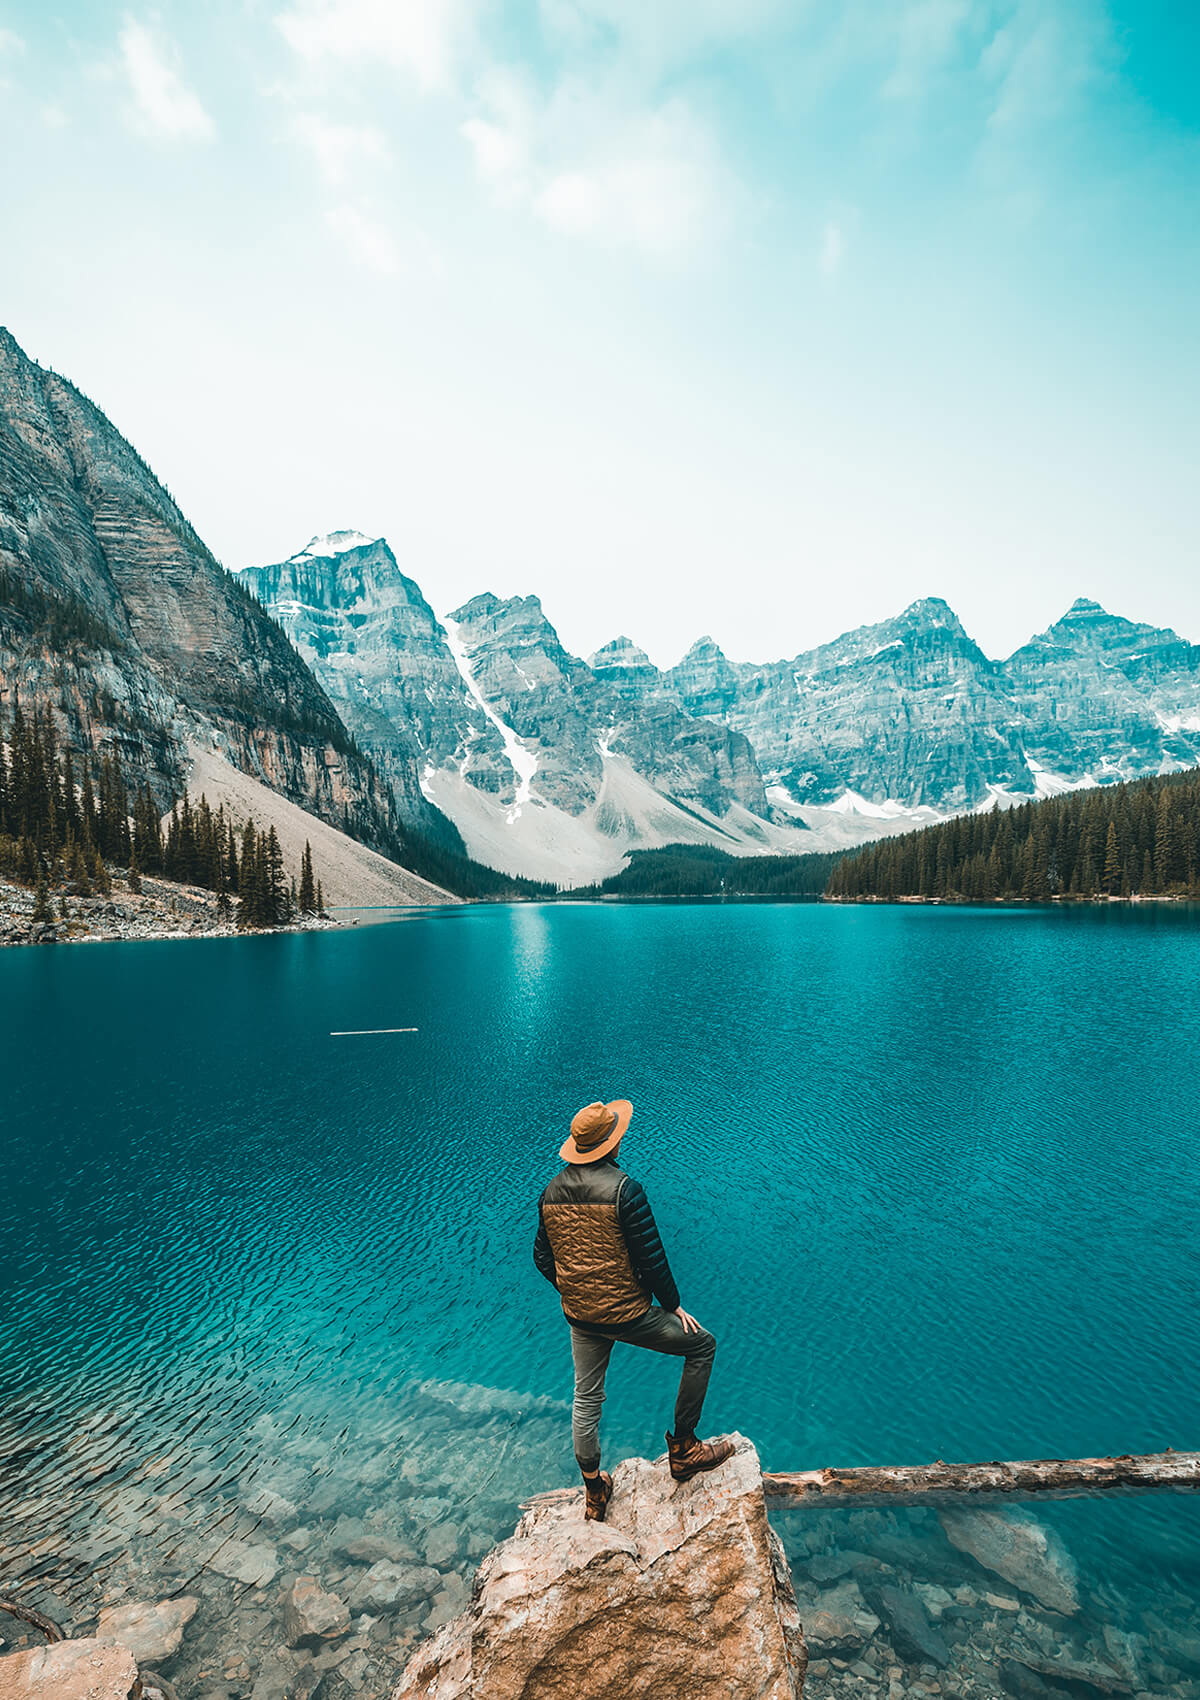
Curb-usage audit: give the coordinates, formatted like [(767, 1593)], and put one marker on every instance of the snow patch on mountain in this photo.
[(522, 759), (628, 813), (331, 544), (853, 803), (1047, 784)]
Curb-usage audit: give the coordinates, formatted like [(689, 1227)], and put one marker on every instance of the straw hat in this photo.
[(597, 1130)]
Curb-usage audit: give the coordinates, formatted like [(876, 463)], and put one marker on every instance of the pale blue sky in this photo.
[(757, 317)]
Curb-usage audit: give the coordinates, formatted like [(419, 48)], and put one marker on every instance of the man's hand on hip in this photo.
[(690, 1325)]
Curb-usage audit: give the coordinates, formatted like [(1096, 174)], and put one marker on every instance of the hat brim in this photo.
[(623, 1110)]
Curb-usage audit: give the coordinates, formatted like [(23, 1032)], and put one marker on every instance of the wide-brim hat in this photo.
[(596, 1130)]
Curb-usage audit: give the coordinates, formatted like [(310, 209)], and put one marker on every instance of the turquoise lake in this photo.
[(929, 1175)]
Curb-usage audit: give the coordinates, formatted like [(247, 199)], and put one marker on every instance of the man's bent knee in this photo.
[(701, 1344)]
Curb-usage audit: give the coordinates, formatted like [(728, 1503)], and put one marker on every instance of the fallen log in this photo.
[(35, 1619), (1035, 1478)]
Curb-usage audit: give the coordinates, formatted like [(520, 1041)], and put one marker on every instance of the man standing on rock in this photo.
[(597, 1243)]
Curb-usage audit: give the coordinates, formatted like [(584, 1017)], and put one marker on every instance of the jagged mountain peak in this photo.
[(487, 604), (929, 611), (705, 647), (333, 543), (620, 652), (1086, 625)]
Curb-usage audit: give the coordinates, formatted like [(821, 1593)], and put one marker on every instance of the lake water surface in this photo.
[(928, 1174)]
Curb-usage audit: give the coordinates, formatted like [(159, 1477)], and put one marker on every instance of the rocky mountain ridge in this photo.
[(910, 713), (553, 765), (547, 765)]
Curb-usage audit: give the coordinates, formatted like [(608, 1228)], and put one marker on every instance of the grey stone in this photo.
[(442, 1545), (1020, 1549), (309, 1613), (829, 1635), (913, 1635), (389, 1587), (151, 1632), (241, 1561), (369, 1549)]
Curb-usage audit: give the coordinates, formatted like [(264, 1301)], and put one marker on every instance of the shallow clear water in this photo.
[(928, 1174)]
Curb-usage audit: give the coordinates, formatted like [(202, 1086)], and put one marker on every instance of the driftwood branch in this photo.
[(1036, 1478), (35, 1619)]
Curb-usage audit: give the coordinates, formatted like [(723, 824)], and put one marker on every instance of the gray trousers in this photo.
[(658, 1331)]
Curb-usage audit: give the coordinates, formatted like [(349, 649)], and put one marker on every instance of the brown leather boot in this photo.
[(598, 1490), (689, 1456)]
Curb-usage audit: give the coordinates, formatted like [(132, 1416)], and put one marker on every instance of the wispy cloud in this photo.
[(833, 249), (366, 241), (10, 45), (339, 148), (420, 37), (370, 243), (163, 105), (591, 162)]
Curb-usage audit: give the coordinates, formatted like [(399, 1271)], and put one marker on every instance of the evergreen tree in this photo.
[(42, 911), (308, 892)]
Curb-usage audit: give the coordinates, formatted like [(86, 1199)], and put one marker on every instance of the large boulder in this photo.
[(683, 1593), (151, 1632), (1019, 1548), (69, 1670)]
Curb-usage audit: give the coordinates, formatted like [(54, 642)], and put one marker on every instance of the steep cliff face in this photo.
[(575, 716), (381, 653), (1101, 697), (114, 612), (910, 709)]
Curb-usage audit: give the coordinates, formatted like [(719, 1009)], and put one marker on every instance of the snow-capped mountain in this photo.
[(910, 713), (545, 765), (554, 766)]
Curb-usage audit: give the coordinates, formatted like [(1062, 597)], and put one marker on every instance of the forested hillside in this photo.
[(699, 870), (1140, 839)]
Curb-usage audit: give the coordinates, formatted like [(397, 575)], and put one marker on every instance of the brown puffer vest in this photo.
[(595, 1275)]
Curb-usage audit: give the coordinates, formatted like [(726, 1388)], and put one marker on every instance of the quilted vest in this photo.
[(596, 1280)]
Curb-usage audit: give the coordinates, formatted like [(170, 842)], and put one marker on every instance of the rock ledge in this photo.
[(682, 1594)]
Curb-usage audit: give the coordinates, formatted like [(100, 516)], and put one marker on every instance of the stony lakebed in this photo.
[(314, 1564)]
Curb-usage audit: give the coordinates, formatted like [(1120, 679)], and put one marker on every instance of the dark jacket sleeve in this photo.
[(645, 1247), (543, 1252)]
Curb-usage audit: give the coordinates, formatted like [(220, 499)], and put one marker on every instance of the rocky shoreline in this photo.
[(161, 909), (315, 1571)]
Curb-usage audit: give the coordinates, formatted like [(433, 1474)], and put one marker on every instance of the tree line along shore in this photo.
[(69, 827), (1139, 839), (66, 835)]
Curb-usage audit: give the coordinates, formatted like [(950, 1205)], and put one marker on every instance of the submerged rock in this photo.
[(682, 1594), (151, 1632), (1019, 1548), (309, 1613), (912, 1634), (242, 1562), (69, 1670), (390, 1587)]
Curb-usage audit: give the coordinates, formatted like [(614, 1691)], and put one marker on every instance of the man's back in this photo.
[(597, 1243), (608, 1257)]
